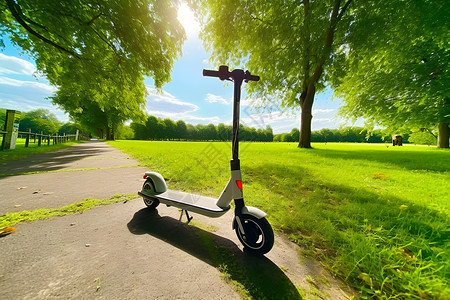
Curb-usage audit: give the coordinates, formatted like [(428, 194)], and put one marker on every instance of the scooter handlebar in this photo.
[(211, 73), (249, 77), (225, 74)]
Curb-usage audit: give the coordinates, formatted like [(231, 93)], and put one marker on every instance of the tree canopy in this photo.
[(290, 44), (39, 120), (388, 60), (158, 129), (97, 52), (396, 72)]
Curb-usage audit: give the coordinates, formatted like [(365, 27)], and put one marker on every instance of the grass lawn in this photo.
[(376, 216)]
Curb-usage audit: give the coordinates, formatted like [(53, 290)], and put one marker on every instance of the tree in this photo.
[(290, 44), (423, 138), (170, 128), (192, 132), (295, 134), (101, 111), (125, 133), (210, 132), (268, 132), (181, 130), (140, 131), (396, 72), (152, 128), (39, 120), (71, 128), (161, 130), (224, 132), (2, 118), (97, 52)]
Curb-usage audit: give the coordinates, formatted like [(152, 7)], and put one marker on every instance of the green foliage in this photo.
[(181, 130), (71, 128), (346, 134), (158, 129), (423, 138), (396, 70), (124, 133), (39, 120), (2, 118), (97, 52), (375, 216)]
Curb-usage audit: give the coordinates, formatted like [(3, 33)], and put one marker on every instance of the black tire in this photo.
[(149, 188), (258, 238)]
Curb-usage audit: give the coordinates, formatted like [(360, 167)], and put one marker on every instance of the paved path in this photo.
[(123, 251), (112, 172)]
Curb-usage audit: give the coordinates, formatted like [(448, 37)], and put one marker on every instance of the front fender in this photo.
[(250, 210)]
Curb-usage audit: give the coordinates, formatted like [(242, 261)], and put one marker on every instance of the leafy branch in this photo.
[(17, 13)]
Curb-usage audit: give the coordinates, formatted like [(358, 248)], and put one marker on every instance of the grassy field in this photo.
[(376, 216)]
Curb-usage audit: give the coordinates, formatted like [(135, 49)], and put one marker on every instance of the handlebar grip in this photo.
[(211, 73), (249, 77)]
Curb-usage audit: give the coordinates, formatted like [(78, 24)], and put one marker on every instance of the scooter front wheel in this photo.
[(149, 188), (257, 237)]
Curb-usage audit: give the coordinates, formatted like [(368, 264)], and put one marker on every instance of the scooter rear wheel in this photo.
[(149, 188), (258, 237)]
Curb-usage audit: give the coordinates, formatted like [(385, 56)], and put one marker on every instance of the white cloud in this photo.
[(201, 120), (27, 95), (15, 65), (185, 117), (216, 99), (166, 103), (322, 111), (27, 84), (285, 128), (261, 120), (251, 102), (26, 102)]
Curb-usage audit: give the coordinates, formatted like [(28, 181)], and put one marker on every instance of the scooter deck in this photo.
[(190, 202)]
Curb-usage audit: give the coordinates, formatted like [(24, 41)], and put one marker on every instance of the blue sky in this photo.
[(189, 96)]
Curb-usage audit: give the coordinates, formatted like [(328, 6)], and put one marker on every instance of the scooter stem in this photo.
[(235, 165), (237, 76)]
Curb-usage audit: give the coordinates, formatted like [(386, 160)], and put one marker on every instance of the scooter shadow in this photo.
[(257, 274)]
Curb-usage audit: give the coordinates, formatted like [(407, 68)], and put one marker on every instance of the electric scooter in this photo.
[(252, 228)]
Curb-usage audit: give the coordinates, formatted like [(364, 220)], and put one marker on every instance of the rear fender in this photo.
[(158, 181)]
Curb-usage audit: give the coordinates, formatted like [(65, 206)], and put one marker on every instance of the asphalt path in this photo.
[(123, 250)]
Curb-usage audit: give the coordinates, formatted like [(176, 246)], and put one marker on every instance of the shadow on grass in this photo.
[(365, 229), (256, 275)]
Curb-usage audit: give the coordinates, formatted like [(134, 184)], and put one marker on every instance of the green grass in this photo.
[(21, 152), (14, 218), (376, 216)]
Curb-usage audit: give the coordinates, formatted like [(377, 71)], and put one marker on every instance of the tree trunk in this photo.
[(306, 102), (108, 132), (443, 137), (100, 133), (309, 88)]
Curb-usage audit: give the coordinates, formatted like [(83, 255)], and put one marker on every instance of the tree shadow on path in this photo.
[(257, 274), (54, 160)]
